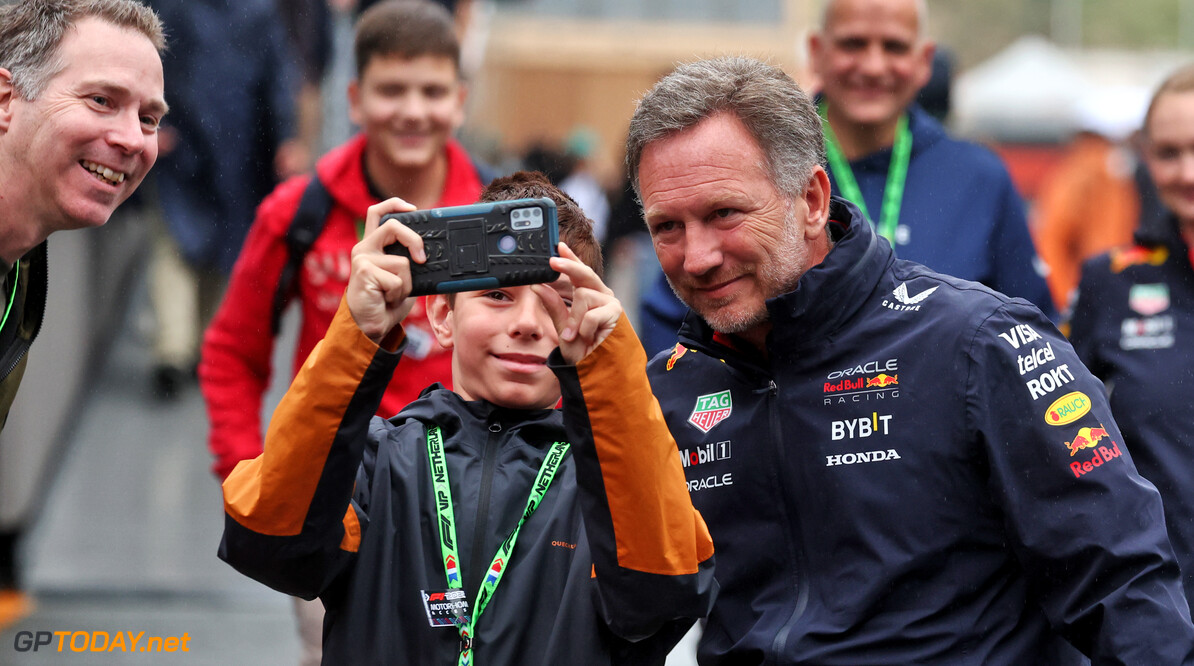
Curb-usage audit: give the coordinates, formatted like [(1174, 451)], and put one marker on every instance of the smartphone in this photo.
[(482, 246)]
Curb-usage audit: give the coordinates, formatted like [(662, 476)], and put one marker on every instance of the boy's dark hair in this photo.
[(406, 29), (575, 228)]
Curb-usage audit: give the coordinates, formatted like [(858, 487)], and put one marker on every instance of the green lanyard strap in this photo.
[(447, 523), (897, 174), (16, 277)]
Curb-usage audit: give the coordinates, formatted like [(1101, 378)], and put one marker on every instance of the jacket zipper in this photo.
[(779, 643), (17, 340), (480, 564)]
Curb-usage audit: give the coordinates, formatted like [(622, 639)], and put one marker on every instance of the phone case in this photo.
[(482, 246)]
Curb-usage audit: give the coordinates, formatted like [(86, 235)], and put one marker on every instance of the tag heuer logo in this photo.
[(710, 410)]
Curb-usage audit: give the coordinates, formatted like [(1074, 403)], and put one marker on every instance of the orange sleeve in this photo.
[(656, 528), (272, 493)]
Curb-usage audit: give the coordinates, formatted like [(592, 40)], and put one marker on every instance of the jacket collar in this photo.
[(447, 409), (1163, 231)]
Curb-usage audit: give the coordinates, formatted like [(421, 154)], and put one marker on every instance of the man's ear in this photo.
[(816, 197), (7, 95), (439, 313), (924, 63), (816, 47)]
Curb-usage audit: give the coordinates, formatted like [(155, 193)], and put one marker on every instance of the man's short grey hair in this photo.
[(31, 32), (776, 112), (922, 17)]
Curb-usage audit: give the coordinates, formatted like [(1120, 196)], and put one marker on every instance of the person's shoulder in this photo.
[(973, 155), (257, 12), (958, 152), (948, 303)]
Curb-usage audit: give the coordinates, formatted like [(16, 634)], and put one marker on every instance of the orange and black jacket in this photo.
[(613, 567)]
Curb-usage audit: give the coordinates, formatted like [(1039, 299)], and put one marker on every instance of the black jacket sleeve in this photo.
[(292, 520), (1088, 530), (653, 556)]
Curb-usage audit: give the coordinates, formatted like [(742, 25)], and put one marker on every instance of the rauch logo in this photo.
[(1068, 408)]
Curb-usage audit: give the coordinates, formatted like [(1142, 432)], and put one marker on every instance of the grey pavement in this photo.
[(126, 536)]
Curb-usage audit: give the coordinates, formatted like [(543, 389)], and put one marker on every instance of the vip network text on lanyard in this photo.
[(451, 607), (897, 174)]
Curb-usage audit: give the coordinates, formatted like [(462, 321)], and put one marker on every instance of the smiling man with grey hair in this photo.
[(897, 466), (81, 96), (939, 201)]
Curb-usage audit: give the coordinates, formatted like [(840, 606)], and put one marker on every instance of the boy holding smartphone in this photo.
[(481, 524)]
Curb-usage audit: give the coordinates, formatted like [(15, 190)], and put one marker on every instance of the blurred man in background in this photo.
[(945, 203)]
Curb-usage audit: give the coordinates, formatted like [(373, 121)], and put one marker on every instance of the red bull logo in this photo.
[(1086, 438), (881, 380), (1102, 455), (1121, 259), (1067, 409), (677, 351)]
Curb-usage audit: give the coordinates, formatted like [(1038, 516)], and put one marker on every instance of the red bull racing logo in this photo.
[(710, 410), (878, 381)]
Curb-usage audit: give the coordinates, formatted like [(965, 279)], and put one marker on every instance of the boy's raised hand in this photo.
[(594, 312), (380, 283)]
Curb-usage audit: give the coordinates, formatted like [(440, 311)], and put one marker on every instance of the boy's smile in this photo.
[(500, 341)]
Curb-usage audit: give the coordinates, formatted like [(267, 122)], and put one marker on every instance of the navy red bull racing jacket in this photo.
[(612, 567), (920, 470)]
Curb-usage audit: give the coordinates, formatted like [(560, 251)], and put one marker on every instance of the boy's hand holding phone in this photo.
[(594, 312), (380, 283)]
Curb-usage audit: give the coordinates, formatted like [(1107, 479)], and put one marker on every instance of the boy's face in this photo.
[(500, 339), (408, 108)]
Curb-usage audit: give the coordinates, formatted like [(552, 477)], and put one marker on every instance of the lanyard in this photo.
[(16, 276), (447, 522), (897, 173)]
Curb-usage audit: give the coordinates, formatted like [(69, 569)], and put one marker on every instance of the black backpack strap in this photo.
[(305, 227)]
